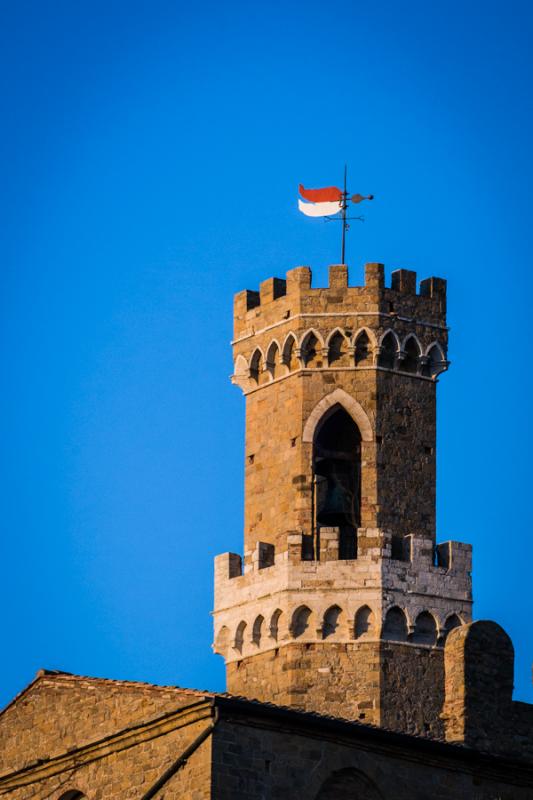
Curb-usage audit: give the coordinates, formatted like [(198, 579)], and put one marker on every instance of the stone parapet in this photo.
[(286, 598)]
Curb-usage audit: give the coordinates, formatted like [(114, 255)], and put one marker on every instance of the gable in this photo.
[(58, 712)]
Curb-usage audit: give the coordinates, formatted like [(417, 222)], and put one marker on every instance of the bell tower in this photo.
[(342, 601)]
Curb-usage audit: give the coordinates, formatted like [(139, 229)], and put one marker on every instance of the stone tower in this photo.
[(343, 600)]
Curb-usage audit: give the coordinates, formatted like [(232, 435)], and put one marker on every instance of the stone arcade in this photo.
[(353, 665)]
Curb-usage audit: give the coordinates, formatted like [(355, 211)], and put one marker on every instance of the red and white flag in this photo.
[(323, 202), (326, 202)]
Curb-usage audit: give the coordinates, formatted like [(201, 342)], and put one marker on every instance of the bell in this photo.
[(337, 507)]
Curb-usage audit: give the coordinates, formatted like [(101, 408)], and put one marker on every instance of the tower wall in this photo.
[(285, 364), (303, 619)]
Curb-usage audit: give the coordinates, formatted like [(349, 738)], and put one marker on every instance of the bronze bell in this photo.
[(337, 508)]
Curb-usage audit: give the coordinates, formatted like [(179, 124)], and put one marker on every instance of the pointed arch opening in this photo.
[(238, 643), (363, 350), (288, 355), (436, 362), (337, 478), (311, 351), (338, 351), (256, 365), (273, 360), (388, 351), (412, 355)]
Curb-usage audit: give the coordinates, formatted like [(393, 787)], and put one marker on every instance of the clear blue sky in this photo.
[(151, 154)]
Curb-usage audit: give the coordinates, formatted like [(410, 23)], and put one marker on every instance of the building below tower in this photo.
[(354, 668)]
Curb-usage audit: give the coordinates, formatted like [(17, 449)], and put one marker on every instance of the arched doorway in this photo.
[(337, 478), (348, 784)]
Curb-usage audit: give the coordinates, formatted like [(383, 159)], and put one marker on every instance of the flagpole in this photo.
[(344, 207)]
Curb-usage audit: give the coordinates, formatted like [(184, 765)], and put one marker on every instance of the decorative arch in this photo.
[(256, 364), (238, 642), (453, 621), (272, 361), (412, 351), (354, 409), (416, 339), (288, 352), (257, 630), (300, 621), (335, 332), (311, 348), (275, 624), (393, 334), (364, 622), (240, 369), (425, 631), (364, 346), (370, 334), (435, 360), (312, 332), (337, 345), (395, 625), (389, 347), (222, 641), (332, 622)]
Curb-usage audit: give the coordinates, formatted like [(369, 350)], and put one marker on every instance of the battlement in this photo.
[(280, 299), (415, 598)]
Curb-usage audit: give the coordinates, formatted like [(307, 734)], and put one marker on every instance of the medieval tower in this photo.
[(343, 600), (343, 603)]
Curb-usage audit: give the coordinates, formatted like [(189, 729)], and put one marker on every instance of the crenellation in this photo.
[(279, 301)]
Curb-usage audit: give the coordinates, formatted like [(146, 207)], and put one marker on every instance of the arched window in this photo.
[(348, 784), (337, 478), (275, 624), (364, 622), (412, 353), (300, 621), (363, 351), (310, 348), (453, 621), (257, 630), (338, 350), (425, 629), (272, 360), (289, 354), (239, 636), (222, 641), (332, 621), (395, 626), (389, 349)]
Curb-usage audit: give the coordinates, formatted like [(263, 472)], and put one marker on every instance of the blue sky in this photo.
[(151, 154)]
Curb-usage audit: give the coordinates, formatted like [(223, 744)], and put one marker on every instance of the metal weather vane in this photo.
[(330, 202)]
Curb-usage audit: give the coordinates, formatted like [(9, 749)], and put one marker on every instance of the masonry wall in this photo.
[(262, 759), (398, 686), (110, 741)]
